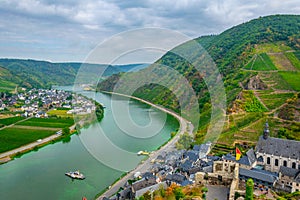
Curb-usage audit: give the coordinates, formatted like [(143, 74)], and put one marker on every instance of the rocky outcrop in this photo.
[(255, 83)]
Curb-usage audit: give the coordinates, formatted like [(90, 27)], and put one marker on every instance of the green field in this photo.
[(261, 62), (275, 80), (6, 86), (293, 59), (272, 48), (59, 113), (292, 78), (11, 138), (48, 122), (273, 101), (251, 103), (10, 120), (297, 54)]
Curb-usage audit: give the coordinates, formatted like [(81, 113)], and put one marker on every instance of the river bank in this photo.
[(57, 136), (184, 126)]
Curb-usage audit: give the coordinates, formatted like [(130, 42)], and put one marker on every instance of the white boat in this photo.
[(144, 153), (75, 175)]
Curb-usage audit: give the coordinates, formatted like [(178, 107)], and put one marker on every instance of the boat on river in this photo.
[(75, 175), (143, 153)]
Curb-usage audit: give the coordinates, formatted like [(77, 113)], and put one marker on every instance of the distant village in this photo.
[(274, 164), (36, 103)]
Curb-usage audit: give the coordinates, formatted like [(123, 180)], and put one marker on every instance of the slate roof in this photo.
[(229, 157), (279, 147), (178, 178), (288, 171), (196, 148), (192, 155), (261, 175), (248, 159), (186, 166)]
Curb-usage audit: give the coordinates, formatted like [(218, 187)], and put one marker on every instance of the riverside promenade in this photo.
[(185, 126)]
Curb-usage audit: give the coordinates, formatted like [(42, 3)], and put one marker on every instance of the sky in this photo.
[(67, 30)]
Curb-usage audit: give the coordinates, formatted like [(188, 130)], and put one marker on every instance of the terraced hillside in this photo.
[(259, 62), (271, 94)]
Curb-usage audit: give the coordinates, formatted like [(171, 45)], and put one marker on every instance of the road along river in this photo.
[(40, 175)]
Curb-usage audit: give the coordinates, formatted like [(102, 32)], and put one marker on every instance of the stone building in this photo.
[(289, 179), (272, 153)]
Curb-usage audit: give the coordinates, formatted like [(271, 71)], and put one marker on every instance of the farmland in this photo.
[(59, 113), (10, 120), (274, 100), (292, 78), (260, 62), (51, 122), (293, 59), (11, 138)]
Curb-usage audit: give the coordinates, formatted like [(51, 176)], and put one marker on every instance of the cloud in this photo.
[(65, 25)]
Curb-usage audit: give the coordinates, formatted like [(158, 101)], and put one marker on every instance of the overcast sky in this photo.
[(67, 30)]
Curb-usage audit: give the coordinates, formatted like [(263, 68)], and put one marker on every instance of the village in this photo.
[(271, 167), (37, 102)]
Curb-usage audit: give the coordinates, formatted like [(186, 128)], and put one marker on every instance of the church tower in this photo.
[(266, 131)]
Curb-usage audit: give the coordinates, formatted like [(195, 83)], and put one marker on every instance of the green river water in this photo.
[(40, 175)]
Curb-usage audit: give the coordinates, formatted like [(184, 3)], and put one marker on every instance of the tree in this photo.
[(65, 131), (178, 193), (249, 189), (184, 141)]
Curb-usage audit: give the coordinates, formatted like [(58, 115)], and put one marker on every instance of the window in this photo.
[(294, 165), (285, 163), (276, 162), (268, 160)]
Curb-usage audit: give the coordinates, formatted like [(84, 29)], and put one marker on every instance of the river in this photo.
[(40, 175)]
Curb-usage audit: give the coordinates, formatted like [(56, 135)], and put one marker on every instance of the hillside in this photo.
[(42, 74), (259, 62)]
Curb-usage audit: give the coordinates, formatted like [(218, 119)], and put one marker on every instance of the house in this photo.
[(272, 153), (144, 182), (204, 150), (289, 179), (176, 178), (261, 177)]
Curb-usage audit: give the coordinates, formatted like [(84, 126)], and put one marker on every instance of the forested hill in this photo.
[(43, 74), (263, 53)]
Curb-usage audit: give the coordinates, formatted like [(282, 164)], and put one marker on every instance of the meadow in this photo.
[(292, 78), (274, 100), (261, 62), (59, 113), (293, 59), (10, 120), (48, 122), (11, 138)]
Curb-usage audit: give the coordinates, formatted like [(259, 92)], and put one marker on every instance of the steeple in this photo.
[(266, 131)]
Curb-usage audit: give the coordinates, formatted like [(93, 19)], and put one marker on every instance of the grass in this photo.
[(59, 113), (293, 59), (251, 103), (297, 54), (273, 101), (11, 138), (282, 62), (261, 62), (292, 78), (275, 80), (272, 48), (10, 120), (48, 122), (6, 86)]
